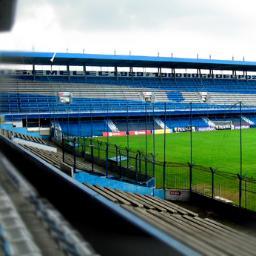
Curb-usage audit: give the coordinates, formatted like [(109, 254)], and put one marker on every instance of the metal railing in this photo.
[(123, 163)]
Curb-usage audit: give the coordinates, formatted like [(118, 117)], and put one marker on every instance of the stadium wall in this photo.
[(22, 130), (115, 184)]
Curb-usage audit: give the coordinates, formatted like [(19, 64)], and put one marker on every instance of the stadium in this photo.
[(127, 154), (131, 137)]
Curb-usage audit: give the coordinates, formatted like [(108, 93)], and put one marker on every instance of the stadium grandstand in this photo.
[(98, 133)]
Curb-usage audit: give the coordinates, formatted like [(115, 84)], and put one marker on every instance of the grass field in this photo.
[(217, 149)]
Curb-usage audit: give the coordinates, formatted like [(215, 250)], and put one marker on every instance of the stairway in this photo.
[(247, 120), (160, 123), (112, 126), (209, 122)]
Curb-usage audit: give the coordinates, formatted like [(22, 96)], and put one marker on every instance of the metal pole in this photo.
[(63, 151), (68, 123), (191, 135), (165, 132), (91, 143), (190, 177), (241, 145), (79, 124), (146, 142), (164, 167), (85, 141), (127, 127), (154, 139), (92, 154), (153, 122), (136, 166), (140, 165), (107, 145), (213, 191), (191, 151), (241, 157), (91, 120), (74, 152), (120, 163), (127, 136), (83, 150), (240, 190)]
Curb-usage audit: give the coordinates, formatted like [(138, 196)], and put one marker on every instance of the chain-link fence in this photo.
[(135, 166), (117, 162)]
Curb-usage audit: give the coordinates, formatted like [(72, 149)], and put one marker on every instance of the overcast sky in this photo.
[(222, 28)]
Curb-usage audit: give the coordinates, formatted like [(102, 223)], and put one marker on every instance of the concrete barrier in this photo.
[(34, 144), (69, 170)]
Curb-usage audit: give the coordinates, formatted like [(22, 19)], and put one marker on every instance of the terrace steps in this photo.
[(204, 235)]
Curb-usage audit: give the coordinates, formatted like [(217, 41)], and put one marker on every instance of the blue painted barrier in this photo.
[(116, 184)]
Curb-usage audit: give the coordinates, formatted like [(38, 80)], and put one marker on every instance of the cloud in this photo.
[(206, 16), (113, 15), (217, 27), (131, 14)]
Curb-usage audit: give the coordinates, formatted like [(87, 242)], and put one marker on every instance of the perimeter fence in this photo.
[(135, 166)]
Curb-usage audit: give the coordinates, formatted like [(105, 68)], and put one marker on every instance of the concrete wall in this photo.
[(22, 130), (116, 184)]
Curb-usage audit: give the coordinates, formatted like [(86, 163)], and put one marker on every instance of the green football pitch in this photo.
[(216, 149)]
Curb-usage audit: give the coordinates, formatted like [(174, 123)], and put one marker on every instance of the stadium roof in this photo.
[(78, 59)]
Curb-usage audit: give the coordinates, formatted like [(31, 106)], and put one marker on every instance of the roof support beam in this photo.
[(68, 70), (159, 71), (84, 70), (33, 72), (116, 72), (44, 58), (174, 73), (131, 72), (211, 73)]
